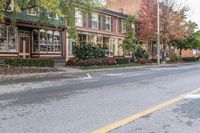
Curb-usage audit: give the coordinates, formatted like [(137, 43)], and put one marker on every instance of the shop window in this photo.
[(12, 38), (47, 41), (7, 38)]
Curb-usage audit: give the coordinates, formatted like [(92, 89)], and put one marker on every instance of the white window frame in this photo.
[(95, 19), (79, 18), (32, 14), (56, 18), (108, 22), (11, 6)]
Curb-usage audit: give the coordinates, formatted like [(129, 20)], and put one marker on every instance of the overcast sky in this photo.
[(195, 10), (194, 13)]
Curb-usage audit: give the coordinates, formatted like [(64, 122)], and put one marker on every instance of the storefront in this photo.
[(28, 42)]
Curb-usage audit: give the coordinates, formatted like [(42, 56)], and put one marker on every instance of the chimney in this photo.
[(121, 10)]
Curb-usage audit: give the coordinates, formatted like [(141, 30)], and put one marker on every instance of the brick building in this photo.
[(130, 7), (29, 39)]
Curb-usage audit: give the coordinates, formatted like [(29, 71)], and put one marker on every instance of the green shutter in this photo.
[(104, 22), (112, 24), (84, 20), (90, 20), (99, 22), (120, 25)]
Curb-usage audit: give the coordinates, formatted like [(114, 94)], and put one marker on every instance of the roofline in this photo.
[(113, 13)]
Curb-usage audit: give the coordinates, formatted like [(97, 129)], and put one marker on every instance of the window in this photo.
[(31, 12), (94, 21), (11, 6), (47, 41), (108, 23), (122, 26), (71, 45), (79, 19), (51, 15), (35, 41), (7, 38)]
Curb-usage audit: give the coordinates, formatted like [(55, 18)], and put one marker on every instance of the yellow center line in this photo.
[(134, 117)]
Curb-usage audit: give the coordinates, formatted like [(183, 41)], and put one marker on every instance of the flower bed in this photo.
[(92, 62)]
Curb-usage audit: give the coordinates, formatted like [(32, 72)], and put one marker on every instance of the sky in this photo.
[(194, 13)]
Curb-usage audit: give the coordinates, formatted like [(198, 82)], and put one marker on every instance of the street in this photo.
[(88, 103)]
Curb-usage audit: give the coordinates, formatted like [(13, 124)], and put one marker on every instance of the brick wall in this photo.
[(188, 53), (130, 7)]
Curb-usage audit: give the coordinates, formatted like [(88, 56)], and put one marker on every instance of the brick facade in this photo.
[(130, 7)]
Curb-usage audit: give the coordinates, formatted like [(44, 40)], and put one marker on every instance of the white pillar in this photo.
[(67, 48)]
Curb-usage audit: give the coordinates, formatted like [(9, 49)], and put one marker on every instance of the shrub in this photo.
[(89, 51), (72, 62), (109, 61), (140, 53), (91, 62), (190, 59), (122, 61), (175, 58), (30, 62)]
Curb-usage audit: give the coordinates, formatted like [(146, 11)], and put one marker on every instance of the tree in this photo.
[(44, 8), (191, 42), (129, 43), (173, 25)]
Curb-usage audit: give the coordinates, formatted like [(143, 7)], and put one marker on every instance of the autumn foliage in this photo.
[(173, 23)]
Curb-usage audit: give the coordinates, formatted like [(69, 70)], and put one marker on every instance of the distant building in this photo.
[(130, 7)]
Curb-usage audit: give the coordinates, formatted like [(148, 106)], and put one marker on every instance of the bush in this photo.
[(122, 61), (175, 58), (30, 62), (89, 51), (190, 59), (91, 62), (72, 62), (140, 53)]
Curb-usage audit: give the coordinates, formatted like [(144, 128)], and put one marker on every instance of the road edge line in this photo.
[(134, 117)]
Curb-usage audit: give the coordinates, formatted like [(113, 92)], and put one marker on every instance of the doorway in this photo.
[(24, 47)]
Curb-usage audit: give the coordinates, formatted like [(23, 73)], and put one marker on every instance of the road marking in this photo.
[(134, 117), (89, 76), (193, 96)]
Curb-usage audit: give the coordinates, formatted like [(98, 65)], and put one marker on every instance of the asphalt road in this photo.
[(84, 104)]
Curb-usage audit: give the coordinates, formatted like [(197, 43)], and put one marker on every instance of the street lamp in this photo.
[(158, 32)]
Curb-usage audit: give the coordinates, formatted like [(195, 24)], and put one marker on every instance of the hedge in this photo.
[(122, 61), (190, 59), (30, 62), (91, 62)]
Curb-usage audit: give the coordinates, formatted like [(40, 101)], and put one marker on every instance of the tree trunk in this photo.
[(129, 58)]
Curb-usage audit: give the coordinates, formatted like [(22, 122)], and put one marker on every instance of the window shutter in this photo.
[(99, 22), (90, 20), (84, 20), (120, 25), (112, 24), (104, 23)]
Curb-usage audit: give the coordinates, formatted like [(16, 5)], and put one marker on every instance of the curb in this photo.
[(40, 75)]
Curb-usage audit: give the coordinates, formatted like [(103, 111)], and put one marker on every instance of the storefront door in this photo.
[(24, 46)]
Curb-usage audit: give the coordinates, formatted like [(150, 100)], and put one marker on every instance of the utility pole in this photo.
[(158, 32)]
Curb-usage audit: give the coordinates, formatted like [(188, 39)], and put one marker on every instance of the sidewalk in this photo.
[(75, 71)]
